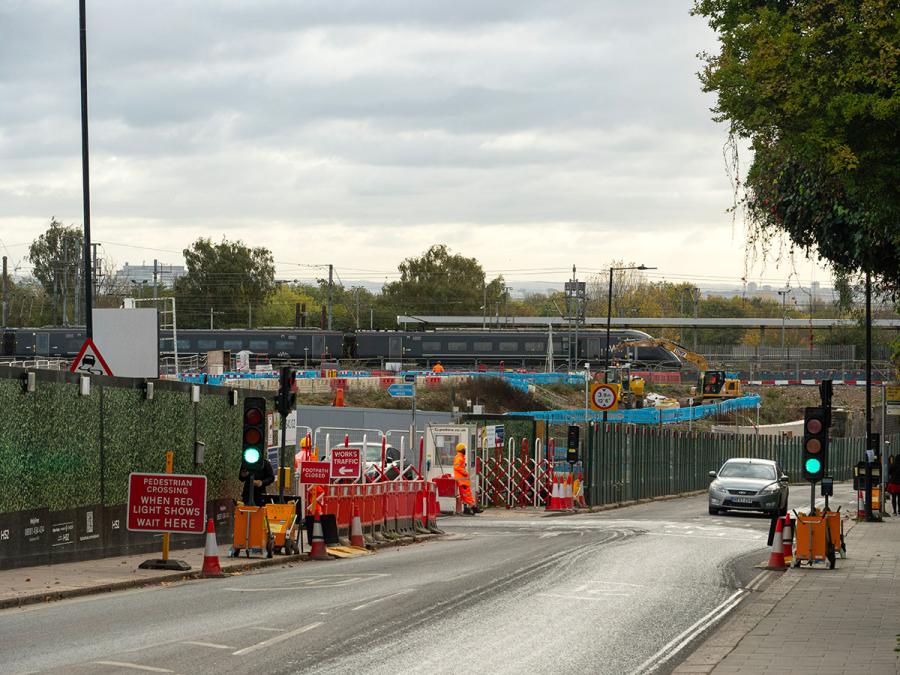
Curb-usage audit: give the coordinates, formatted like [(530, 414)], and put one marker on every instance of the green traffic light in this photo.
[(251, 455), (813, 466)]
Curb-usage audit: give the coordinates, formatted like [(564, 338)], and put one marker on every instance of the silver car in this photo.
[(749, 485)]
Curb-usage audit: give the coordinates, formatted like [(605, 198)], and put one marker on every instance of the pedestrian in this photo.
[(893, 486), (256, 479), (461, 474)]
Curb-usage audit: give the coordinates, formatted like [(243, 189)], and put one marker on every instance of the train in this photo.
[(453, 348)]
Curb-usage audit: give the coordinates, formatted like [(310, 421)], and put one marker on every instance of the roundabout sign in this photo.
[(604, 396)]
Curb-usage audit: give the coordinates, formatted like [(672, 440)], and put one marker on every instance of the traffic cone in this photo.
[(356, 533), (211, 566), (551, 499), (339, 398), (570, 494), (317, 546), (776, 558), (788, 537)]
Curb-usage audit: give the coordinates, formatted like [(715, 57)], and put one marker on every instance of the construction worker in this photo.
[(438, 368), (461, 474)]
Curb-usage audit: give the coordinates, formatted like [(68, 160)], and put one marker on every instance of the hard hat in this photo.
[(460, 447)]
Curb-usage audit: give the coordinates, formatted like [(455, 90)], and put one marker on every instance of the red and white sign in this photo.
[(166, 502), (346, 462), (315, 473), (89, 361)]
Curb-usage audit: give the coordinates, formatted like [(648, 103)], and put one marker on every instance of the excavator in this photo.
[(714, 384)]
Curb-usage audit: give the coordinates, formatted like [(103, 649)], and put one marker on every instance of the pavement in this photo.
[(845, 620)]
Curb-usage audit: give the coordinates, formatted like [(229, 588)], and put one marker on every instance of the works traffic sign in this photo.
[(89, 361), (402, 390), (346, 462), (315, 473), (166, 502), (604, 396)]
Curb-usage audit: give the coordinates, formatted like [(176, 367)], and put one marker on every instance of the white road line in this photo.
[(702, 536), (275, 640), (211, 645), (579, 597), (757, 580), (684, 638), (386, 597), (274, 630), (133, 666)]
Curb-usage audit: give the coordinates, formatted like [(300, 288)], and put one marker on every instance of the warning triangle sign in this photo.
[(89, 361)]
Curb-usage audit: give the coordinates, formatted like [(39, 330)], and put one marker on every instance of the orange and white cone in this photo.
[(211, 566), (776, 558), (317, 549), (570, 493), (553, 500), (788, 537), (356, 533)]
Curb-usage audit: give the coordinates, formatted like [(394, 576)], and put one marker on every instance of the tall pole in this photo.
[(85, 178), (330, 287), (484, 306), (869, 515), (577, 307), (3, 290), (155, 277), (608, 325), (210, 318)]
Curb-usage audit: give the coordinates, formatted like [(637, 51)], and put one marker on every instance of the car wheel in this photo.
[(713, 511)]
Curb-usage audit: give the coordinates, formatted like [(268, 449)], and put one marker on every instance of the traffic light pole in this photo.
[(282, 459)]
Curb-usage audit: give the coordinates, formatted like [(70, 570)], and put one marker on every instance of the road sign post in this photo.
[(166, 502)]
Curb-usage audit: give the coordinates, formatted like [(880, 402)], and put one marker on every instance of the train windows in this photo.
[(259, 345), (535, 346), (206, 345), (483, 347), (233, 345), (509, 346), (431, 347), (284, 345), (457, 346), (184, 345)]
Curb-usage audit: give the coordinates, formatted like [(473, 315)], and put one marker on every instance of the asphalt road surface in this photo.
[(616, 592)]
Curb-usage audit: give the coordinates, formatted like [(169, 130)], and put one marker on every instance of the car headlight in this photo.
[(716, 486), (770, 489)]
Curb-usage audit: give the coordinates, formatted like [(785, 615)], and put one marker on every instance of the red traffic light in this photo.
[(814, 425), (253, 416)]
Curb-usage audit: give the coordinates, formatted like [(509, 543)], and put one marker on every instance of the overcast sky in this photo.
[(530, 135)]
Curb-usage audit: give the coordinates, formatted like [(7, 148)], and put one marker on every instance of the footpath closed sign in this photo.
[(166, 502), (346, 462), (315, 473)]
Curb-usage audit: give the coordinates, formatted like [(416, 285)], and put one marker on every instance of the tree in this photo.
[(441, 283), (814, 86), (57, 259), (227, 279), (280, 308)]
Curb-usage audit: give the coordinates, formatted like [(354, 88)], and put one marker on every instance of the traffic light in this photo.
[(253, 438), (286, 399), (814, 458)]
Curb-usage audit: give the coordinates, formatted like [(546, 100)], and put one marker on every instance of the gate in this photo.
[(522, 477)]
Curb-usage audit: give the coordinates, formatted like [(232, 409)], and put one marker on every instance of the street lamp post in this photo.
[(783, 295), (609, 314)]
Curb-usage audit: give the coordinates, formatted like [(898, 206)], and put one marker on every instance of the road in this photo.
[(614, 592)]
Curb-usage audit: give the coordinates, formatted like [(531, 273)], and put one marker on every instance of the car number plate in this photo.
[(743, 500)]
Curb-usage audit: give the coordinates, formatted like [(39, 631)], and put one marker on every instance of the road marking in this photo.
[(330, 581), (386, 597), (757, 580), (276, 630), (275, 640), (133, 666), (211, 645), (581, 597), (684, 638), (703, 536)]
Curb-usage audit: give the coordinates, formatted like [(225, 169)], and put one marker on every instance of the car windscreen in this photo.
[(741, 470), (373, 454)]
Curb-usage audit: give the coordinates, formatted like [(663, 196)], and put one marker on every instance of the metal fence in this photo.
[(624, 463)]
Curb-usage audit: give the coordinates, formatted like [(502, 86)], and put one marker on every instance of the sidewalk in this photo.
[(845, 620)]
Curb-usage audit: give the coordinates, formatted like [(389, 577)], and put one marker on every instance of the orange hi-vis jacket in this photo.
[(461, 474)]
